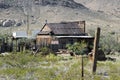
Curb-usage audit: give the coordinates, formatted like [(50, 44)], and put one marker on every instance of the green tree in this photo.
[(77, 47)]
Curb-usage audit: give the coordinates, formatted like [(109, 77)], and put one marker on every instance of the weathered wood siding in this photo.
[(44, 40), (82, 25), (46, 28)]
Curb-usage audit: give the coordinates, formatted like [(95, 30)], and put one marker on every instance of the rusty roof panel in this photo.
[(67, 28)]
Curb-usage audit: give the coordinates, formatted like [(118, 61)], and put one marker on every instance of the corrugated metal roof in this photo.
[(35, 32), (23, 34), (70, 28), (20, 34)]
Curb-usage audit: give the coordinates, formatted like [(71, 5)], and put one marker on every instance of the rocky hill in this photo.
[(29, 7), (96, 13)]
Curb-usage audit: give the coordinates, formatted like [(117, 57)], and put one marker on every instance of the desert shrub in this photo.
[(78, 47), (52, 57), (109, 43), (45, 51)]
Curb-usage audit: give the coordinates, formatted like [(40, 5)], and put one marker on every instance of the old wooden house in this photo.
[(57, 35)]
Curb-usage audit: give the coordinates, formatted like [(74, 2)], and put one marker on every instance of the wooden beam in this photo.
[(95, 50), (28, 24), (84, 27)]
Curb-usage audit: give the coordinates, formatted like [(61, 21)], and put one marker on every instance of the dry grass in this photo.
[(23, 66)]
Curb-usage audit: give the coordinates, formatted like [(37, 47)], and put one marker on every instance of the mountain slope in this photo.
[(56, 11), (108, 6)]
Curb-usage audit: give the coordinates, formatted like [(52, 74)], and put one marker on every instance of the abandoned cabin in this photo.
[(57, 35)]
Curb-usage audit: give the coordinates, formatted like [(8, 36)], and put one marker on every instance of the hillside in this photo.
[(111, 7), (92, 11)]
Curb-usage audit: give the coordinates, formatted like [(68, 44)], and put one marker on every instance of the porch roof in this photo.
[(87, 37)]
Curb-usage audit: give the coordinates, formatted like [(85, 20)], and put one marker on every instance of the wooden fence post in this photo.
[(82, 68), (16, 44), (95, 50)]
